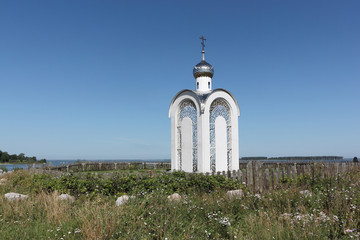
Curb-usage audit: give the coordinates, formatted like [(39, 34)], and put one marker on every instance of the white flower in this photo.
[(224, 221), (306, 193)]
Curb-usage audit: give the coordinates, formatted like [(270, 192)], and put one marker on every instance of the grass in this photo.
[(329, 210)]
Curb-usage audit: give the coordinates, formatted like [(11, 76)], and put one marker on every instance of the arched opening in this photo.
[(220, 136), (187, 136)]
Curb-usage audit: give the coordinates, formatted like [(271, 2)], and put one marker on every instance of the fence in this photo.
[(82, 167), (260, 176), (257, 176)]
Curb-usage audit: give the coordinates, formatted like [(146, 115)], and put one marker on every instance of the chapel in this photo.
[(204, 125)]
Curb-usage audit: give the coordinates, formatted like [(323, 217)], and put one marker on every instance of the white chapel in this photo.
[(204, 125)]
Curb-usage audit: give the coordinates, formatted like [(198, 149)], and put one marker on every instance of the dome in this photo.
[(203, 69)]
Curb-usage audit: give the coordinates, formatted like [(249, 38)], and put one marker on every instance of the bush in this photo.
[(117, 184), (328, 210)]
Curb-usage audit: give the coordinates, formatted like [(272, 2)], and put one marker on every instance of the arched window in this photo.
[(220, 108), (187, 114)]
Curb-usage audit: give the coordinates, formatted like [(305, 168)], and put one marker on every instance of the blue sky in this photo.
[(94, 79)]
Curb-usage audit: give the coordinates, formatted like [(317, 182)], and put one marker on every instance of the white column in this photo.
[(205, 141), (235, 140), (174, 163), (200, 144)]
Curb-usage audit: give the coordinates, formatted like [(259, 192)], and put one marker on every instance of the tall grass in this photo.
[(329, 210)]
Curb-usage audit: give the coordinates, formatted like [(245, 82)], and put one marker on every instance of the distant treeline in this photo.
[(253, 158), (315, 158), (21, 158)]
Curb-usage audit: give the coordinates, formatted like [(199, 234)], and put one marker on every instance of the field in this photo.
[(305, 208)]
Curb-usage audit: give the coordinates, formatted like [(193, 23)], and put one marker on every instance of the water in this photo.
[(11, 167)]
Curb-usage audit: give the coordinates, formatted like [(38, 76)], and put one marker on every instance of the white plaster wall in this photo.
[(203, 84), (203, 131), (186, 145), (200, 137), (235, 113), (220, 144), (235, 141), (181, 96)]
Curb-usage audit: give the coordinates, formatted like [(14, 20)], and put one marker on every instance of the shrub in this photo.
[(118, 184)]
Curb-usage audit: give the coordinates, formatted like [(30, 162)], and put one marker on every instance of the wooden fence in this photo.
[(257, 176), (260, 176), (96, 166)]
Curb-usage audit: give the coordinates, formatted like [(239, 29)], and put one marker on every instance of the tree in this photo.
[(5, 157), (21, 157)]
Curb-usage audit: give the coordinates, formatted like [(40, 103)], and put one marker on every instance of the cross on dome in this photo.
[(203, 69), (202, 42)]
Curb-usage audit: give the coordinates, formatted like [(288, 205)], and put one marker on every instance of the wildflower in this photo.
[(349, 230), (286, 215), (306, 193), (224, 221), (245, 207)]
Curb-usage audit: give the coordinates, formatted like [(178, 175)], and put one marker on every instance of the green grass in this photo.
[(331, 212)]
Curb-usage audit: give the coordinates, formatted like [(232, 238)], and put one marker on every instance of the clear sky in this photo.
[(94, 79)]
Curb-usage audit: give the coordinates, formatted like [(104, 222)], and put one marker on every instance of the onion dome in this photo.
[(203, 68)]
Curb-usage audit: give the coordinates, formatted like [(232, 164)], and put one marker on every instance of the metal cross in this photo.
[(202, 42)]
